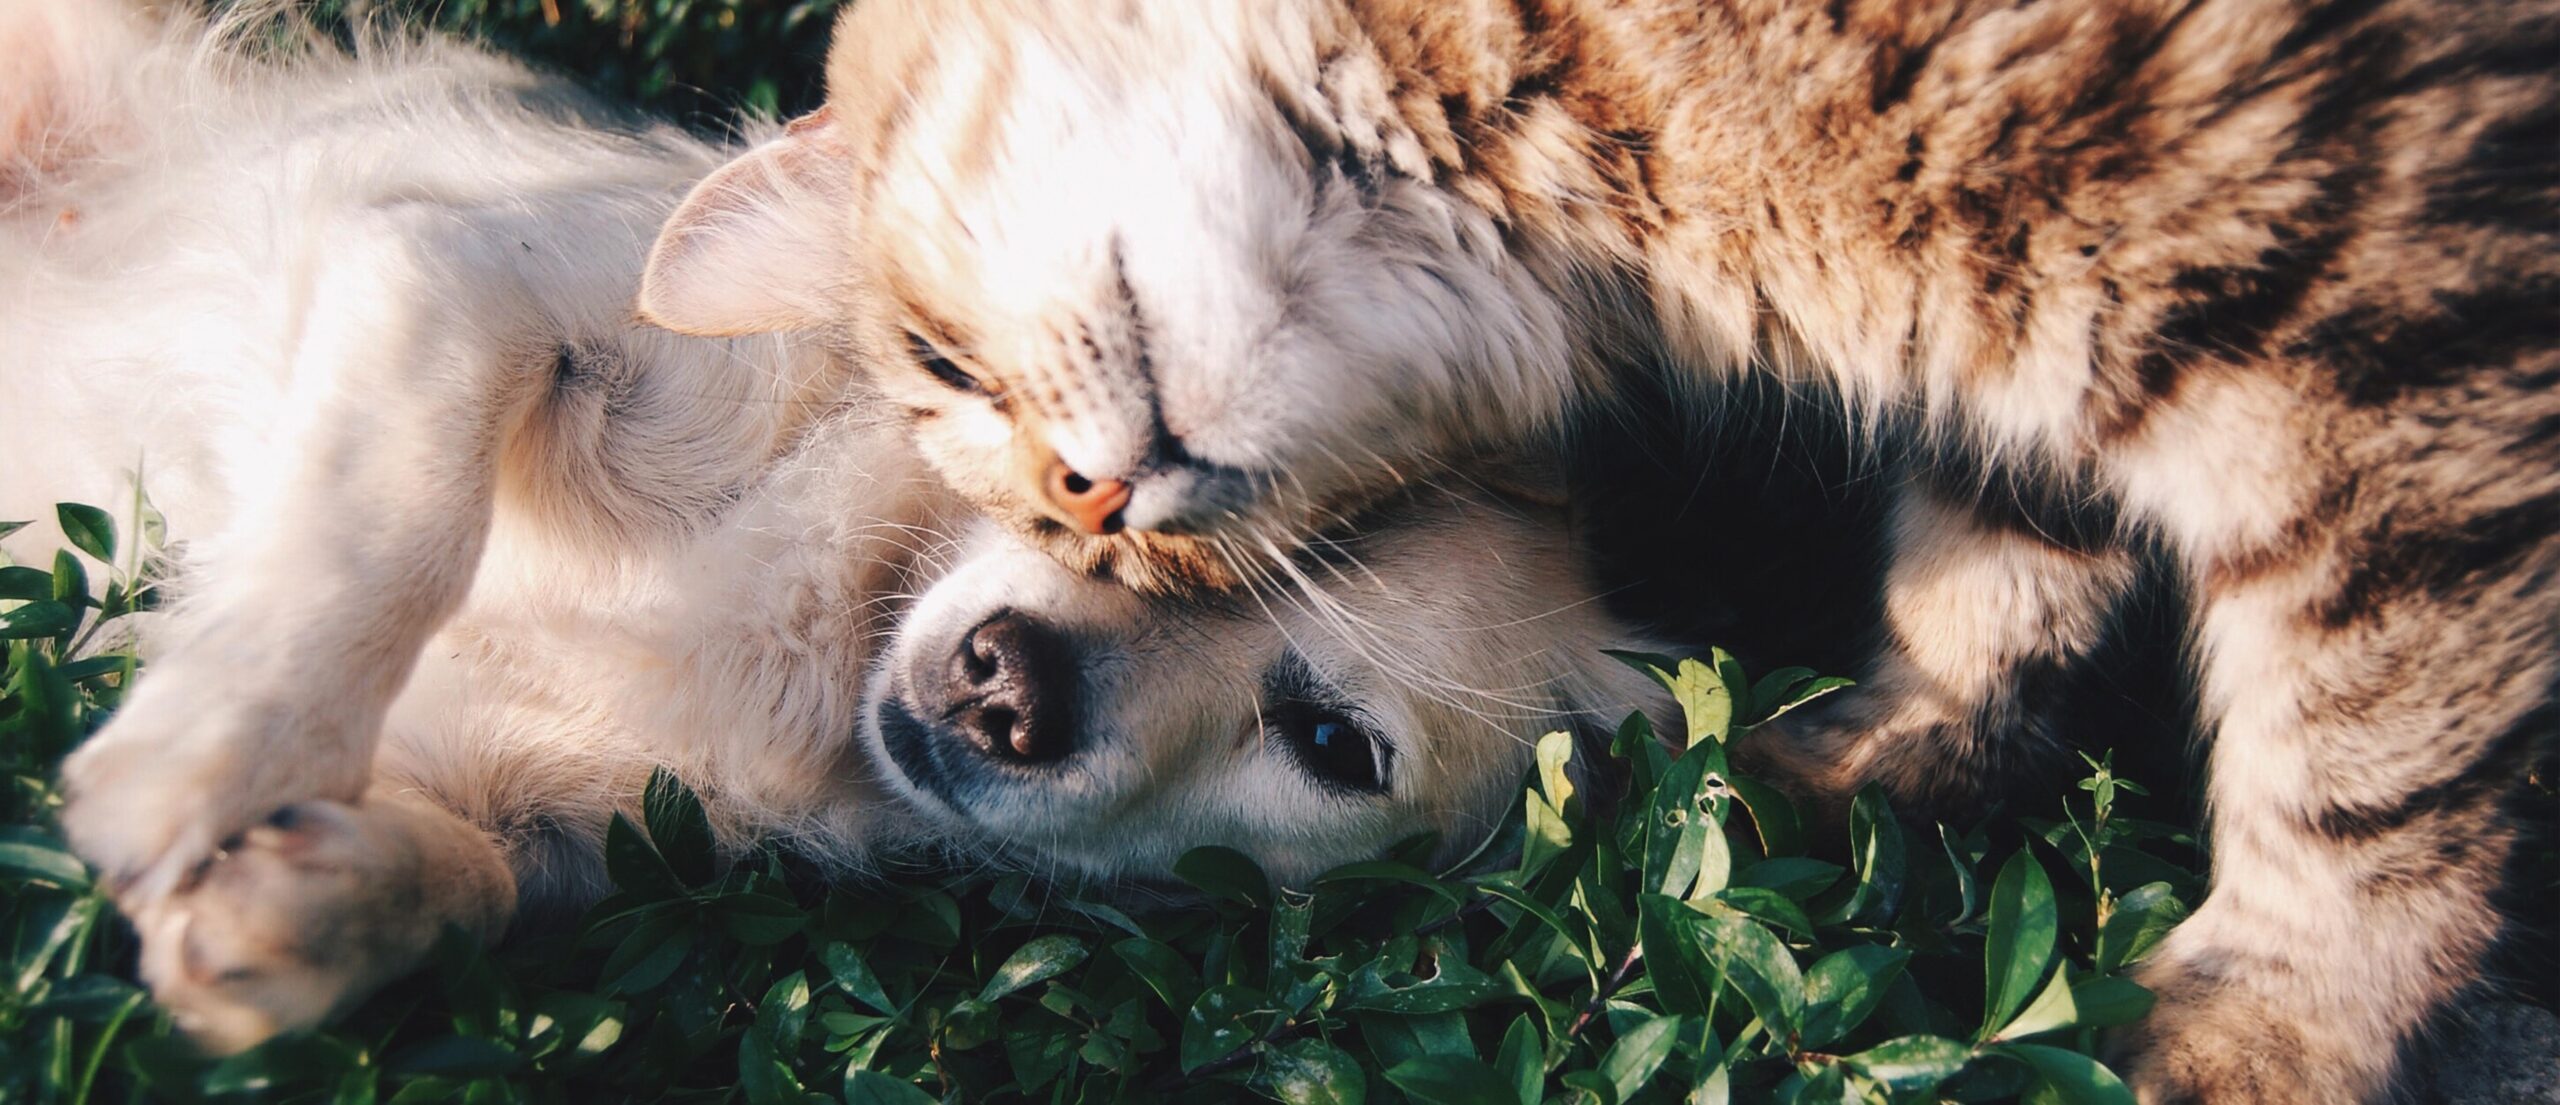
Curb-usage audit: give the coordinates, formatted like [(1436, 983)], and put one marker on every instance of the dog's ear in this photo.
[(759, 245)]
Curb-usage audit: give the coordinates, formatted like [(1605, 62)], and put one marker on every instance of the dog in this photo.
[(467, 553)]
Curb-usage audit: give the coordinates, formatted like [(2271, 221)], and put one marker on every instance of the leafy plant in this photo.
[(1647, 927), (698, 60)]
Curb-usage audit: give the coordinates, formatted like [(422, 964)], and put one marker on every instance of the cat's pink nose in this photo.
[(1092, 505)]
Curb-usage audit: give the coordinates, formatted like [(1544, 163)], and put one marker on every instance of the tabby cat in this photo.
[(1175, 287)]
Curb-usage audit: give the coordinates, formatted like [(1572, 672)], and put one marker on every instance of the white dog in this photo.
[(468, 552)]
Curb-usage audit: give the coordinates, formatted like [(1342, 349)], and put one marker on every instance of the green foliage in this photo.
[(698, 60), (1676, 944)]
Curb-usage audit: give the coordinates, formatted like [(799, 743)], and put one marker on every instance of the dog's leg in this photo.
[(1982, 613), (309, 911), (419, 350)]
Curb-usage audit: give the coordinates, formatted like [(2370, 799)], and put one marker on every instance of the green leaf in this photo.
[(455, 1057), (1387, 870), (649, 955), (2106, 1002), (2051, 1009), (1685, 851), (678, 827), (1766, 906), (23, 583), (1555, 776), (7, 528), (89, 530), (37, 619), (2077, 1078), (1165, 970), (30, 853), (968, 1024), (1449, 1080), (865, 1087), (1312, 1072), (1044, 958), (1675, 955), (1225, 1020), (1772, 689), (1806, 693), (1704, 948), (1968, 889), (1224, 874), (1545, 835), (1039, 1057), (853, 974), (1797, 877), (1455, 986), (784, 1012), (1772, 816), (1705, 701), (1912, 1065), (1875, 844), (2019, 946), (1522, 1060), (2142, 918), (1637, 1056), (756, 919), (635, 864), (1843, 988), (70, 581)]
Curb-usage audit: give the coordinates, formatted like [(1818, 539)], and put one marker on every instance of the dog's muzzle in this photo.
[(1002, 708)]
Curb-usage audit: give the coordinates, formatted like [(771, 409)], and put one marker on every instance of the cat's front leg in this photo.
[(1986, 612), (302, 618), (312, 909), (2379, 685)]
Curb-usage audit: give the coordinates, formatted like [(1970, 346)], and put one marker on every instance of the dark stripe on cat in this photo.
[(2067, 512), (2474, 787), (2377, 357), (2511, 177), (2442, 563)]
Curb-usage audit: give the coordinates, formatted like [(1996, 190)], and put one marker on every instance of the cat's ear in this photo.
[(760, 244)]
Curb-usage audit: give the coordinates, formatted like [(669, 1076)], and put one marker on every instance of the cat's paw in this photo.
[(2210, 1041), (285, 924), (185, 764)]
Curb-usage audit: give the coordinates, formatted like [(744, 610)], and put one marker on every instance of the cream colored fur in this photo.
[(466, 553)]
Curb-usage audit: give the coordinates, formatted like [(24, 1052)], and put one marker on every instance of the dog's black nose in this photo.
[(1013, 680)]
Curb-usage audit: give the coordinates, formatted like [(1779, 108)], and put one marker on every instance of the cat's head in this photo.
[(1165, 287), (1034, 716)]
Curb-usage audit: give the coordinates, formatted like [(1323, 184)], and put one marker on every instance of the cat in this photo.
[(467, 553), (1172, 287)]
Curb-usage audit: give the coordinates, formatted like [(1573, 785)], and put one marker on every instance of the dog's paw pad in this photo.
[(270, 933)]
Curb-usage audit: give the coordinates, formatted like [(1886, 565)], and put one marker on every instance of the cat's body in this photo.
[(2272, 284)]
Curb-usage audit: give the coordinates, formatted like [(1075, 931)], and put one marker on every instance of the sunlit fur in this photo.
[(465, 553), (2268, 283)]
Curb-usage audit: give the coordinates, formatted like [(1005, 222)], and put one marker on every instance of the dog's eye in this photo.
[(1334, 749), (951, 375)]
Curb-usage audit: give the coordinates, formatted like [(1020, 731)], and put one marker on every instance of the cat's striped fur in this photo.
[(2271, 283)]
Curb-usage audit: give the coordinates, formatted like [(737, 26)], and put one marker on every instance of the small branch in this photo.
[(1600, 998)]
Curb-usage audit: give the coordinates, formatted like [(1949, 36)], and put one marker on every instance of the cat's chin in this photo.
[(1148, 563)]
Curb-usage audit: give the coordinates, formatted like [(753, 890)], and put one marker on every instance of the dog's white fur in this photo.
[(467, 552)]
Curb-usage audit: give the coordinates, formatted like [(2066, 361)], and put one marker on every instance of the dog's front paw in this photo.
[(186, 763), (285, 924), (2218, 1041)]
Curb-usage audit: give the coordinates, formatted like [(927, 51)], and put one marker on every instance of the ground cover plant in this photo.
[(1665, 939)]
